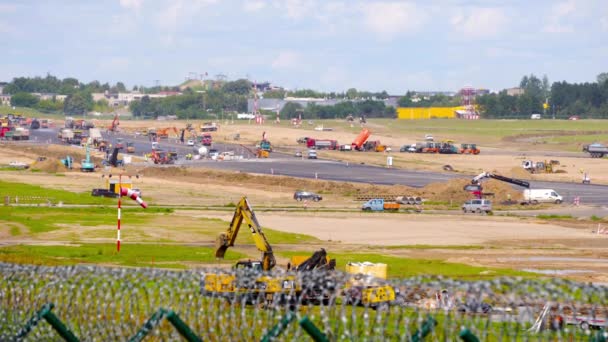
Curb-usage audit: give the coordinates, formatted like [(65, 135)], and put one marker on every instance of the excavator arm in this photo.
[(477, 179), (244, 212)]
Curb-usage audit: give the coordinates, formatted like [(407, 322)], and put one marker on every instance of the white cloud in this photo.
[(286, 60), (131, 4), (392, 18), (253, 6), (480, 22), (180, 11), (557, 17)]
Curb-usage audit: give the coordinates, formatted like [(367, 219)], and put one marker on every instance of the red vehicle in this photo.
[(206, 139), (322, 144)]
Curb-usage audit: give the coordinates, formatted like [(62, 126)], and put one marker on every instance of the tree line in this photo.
[(587, 100)]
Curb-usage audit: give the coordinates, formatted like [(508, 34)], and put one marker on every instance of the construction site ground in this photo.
[(566, 246)]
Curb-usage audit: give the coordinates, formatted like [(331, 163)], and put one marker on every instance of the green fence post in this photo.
[(32, 322), (182, 327), (467, 336), (46, 313), (279, 327), (599, 336), (149, 325), (427, 327), (59, 327), (312, 330)]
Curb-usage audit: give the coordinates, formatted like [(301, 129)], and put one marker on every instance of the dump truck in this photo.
[(206, 139), (209, 127), (379, 204), (596, 150)]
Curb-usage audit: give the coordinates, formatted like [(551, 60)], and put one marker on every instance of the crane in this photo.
[(244, 212), (477, 190), (114, 126)]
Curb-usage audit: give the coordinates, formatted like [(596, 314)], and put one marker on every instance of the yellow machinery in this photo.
[(264, 288), (363, 290)]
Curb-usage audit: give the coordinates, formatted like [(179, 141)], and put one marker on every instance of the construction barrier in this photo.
[(417, 113)]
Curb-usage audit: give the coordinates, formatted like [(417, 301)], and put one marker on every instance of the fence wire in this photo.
[(112, 304)]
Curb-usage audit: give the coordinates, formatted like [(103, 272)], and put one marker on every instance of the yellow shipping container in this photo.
[(417, 113), (367, 268)]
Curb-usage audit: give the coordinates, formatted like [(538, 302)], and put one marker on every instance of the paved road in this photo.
[(284, 164)]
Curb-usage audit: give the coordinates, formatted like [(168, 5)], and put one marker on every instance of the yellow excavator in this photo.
[(247, 283), (243, 285)]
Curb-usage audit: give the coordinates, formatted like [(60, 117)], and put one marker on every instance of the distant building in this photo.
[(5, 99), (123, 99), (50, 96), (274, 104), (514, 91)]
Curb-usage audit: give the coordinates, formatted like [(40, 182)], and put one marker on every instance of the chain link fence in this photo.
[(119, 304)]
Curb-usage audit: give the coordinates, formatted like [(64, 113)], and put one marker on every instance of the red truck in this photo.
[(322, 144), (206, 139)]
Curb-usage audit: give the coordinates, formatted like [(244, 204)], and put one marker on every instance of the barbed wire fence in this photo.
[(119, 304)]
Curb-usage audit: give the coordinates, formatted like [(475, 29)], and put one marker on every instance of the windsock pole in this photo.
[(118, 226)]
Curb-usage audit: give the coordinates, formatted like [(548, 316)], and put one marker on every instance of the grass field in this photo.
[(136, 255), (25, 191)]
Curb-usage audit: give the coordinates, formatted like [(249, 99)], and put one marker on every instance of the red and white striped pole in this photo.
[(118, 226)]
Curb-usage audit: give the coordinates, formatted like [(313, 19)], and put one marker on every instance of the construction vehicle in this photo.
[(161, 157), (113, 185), (163, 133), (596, 150), (429, 147), (375, 146), (209, 127), (114, 125), (361, 139), (539, 167), (66, 135), (44, 123), (35, 124), (322, 144), (447, 147), (379, 204), (206, 139), (86, 165), (476, 189), (130, 147), (113, 158), (20, 133), (238, 287), (263, 149), (469, 149), (67, 162)]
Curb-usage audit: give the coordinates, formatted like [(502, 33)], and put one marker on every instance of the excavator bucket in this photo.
[(221, 246)]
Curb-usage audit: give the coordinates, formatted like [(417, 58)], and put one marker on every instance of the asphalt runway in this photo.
[(287, 165)]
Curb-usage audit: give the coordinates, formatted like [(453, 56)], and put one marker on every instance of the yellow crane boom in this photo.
[(244, 212)]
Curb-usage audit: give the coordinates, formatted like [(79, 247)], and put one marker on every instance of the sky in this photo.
[(323, 45)]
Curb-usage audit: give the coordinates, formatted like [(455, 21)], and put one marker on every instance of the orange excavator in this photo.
[(163, 133), (161, 157), (114, 126)]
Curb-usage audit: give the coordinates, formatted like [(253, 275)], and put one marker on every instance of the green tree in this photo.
[(23, 99), (352, 93), (240, 87), (275, 94), (78, 103), (602, 78)]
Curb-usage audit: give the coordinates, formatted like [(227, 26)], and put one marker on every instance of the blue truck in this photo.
[(379, 204)]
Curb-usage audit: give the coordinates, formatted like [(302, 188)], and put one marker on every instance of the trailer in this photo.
[(322, 144), (596, 150)]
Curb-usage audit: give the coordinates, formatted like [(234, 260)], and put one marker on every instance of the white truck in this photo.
[(536, 196)]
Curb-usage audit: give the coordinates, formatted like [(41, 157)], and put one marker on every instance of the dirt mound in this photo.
[(454, 191), (50, 165)]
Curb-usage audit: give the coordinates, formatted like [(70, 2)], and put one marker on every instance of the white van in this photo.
[(535, 116), (542, 196)]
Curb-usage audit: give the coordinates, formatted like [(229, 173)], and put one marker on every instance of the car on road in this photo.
[(306, 195), (213, 153), (477, 206), (190, 142), (298, 154), (312, 154)]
